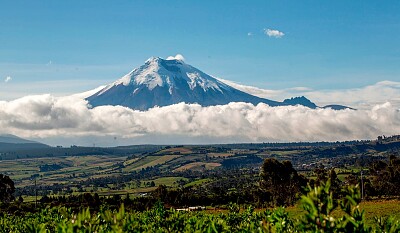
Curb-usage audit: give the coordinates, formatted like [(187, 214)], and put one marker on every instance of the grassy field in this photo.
[(197, 182), (130, 161), (150, 161), (168, 181), (69, 170), (198, 166), (141, 162), (175, 150), (383, 208), (22, 171), (73, 171)]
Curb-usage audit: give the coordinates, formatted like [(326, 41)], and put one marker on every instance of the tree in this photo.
[(323, 175), (7, 189), (161, 193), (281, 181), (386, 176)]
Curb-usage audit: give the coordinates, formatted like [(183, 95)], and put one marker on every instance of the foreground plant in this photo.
[(319, 205)]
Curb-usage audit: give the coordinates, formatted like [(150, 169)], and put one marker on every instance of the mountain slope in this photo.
[(11, 142), (9, 138), (161, 82)]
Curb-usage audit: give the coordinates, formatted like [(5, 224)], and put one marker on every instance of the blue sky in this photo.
[(72, 46)]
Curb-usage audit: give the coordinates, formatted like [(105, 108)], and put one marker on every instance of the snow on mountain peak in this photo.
[(166, 72)]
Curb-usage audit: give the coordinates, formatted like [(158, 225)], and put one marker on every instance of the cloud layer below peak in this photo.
[(46, 116)]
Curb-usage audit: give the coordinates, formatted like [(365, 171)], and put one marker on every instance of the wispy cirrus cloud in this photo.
[(360, 98), (274, 33)]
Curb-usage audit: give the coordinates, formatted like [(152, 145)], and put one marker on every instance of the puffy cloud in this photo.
[(176, 57), (7, 79), (45, 116), (273, 33), (250, 34)]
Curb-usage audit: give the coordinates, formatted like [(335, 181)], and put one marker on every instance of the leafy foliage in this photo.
[(319, 205), (386, 176)]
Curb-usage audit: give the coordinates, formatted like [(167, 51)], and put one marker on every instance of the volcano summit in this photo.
[(163, 82)]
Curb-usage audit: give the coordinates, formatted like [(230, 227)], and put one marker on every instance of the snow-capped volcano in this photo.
[(157, 72), (162, 82)]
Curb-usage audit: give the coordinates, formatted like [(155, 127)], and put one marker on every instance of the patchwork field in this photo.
[(48, 171), (179, 166)]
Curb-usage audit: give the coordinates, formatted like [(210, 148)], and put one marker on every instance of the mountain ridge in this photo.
[(11, 142), (9, 138), (162, 82)]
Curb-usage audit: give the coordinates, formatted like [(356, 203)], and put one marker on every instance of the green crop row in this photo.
[(318, 204)]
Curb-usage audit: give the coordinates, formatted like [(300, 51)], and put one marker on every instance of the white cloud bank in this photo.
[(273, 33), (45, 116)]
